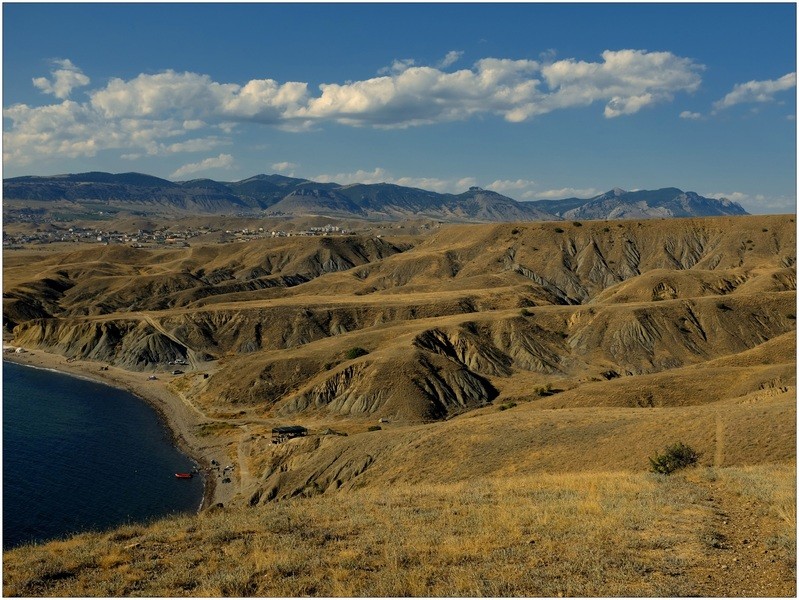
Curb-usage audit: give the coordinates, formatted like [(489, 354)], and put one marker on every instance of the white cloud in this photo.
[(504, 185), (223, 161), (756, 91), (65, 78), (70, 130), (381, 175), (560, 194), (189, 146), (758, 203), (450, 59), (627, 80), (464, 184), (193, 145), (284, 166), (425, 95), (398, 66), (193, 97), (734, 196), (139, 115), (515, 188), (192, 124), (693, 116)]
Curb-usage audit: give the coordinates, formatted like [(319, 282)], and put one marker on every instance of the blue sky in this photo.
[(531, 100)]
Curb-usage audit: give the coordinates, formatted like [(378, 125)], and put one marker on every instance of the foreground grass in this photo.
[(588, 534)]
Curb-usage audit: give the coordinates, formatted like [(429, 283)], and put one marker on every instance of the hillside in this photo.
[(280, 196), (451, 320), (548, 535), (453, 382)]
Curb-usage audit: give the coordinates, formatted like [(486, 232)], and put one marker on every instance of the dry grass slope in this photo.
[(589, 534)]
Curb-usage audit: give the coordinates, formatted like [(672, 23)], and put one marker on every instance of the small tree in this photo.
[(675, 457)]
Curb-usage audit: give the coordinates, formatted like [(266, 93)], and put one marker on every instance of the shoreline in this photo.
[(177, 418)]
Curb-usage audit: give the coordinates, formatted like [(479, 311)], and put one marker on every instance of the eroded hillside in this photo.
[(319, 329), (451, 320)]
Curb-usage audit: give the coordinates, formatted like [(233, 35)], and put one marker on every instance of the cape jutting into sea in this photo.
[(80, 455)]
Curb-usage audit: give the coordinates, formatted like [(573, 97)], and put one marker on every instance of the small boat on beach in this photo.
[(184, 475)]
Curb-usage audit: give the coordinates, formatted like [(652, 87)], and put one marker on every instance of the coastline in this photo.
[(179, 420)]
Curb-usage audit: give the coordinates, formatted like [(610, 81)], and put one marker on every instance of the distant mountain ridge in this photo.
[(278, 195), (642, 204)]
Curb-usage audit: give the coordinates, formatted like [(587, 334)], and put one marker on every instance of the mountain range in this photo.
[(278, 195)]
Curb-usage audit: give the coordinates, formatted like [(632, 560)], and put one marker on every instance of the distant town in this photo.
[(162, 236)]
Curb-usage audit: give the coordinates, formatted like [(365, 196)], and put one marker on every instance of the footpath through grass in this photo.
[(588, 534)]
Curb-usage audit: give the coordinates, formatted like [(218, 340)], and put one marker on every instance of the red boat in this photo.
[(184, 475)]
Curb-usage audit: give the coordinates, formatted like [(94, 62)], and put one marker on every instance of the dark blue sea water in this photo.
[(79, 455)]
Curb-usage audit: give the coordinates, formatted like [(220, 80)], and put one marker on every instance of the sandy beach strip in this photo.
[(180, 419)]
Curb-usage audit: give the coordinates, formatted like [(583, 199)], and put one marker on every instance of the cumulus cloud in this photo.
[(65, 77), (628, 80), (139, 114), (193, 97), (223, 161), (756, 91), (71, 129), (425, 95), (693, 116)]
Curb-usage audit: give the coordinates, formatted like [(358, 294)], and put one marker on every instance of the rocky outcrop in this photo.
[(133, 345)]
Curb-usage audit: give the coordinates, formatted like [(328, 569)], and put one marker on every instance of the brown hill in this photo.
[(448, 320)]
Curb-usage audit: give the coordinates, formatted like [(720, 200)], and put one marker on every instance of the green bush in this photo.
[(558, 230), (355, 353), (678, 456), (374, 428), (507, 405)]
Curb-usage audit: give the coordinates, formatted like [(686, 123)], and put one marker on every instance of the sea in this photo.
[(79, 456)]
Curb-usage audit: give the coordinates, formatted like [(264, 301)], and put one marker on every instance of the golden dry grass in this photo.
[(589, 534)]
